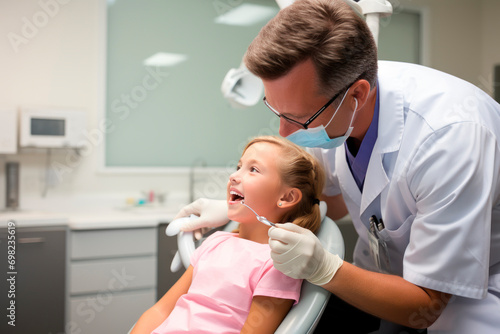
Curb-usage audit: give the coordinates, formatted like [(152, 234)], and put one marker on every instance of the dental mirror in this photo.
[(262, 219)]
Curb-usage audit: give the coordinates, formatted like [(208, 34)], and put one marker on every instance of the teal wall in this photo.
[(185, 118), (173, 116)]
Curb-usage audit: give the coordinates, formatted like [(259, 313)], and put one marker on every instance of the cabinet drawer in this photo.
[(113, 243), (111, 276), (109, 314), (40, 284)]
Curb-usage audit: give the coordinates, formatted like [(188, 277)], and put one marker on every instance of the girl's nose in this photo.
[(234, 177)]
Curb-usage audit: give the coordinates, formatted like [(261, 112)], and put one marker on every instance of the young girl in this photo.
[(231, 284)]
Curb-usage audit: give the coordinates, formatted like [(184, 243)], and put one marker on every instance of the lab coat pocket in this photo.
[(399, 236), (397, 241)]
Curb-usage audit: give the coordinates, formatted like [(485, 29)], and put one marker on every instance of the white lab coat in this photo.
[(434, 178)]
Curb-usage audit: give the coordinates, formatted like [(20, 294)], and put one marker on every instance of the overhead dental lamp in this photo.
[(240, 87), (372, 10), (243, 89)]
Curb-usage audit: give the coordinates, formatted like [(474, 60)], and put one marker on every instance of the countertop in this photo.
[(91, 219)]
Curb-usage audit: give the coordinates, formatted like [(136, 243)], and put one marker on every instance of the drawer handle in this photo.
[(38, 240)]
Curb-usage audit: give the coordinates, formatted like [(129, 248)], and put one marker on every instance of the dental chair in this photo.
[(304, 316)]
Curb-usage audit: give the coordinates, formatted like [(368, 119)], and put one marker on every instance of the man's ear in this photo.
[(360, 92), (290, 197)]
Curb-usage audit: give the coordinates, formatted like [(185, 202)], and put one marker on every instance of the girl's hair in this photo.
[(328, 32), (299, 169)]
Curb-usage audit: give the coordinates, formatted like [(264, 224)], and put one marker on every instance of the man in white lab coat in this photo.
[(414, 156)]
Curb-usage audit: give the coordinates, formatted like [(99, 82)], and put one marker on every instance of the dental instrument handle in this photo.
[(262, 219), (265, 221)]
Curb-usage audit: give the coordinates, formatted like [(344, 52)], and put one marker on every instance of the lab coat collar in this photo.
[(346, 180), (390, 132), (391, 112)]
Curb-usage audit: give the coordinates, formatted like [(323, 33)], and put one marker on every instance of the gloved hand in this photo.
[(298, 253), (211, 212)]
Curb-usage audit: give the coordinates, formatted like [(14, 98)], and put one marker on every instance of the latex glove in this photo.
[(211, 212), (298, 253)]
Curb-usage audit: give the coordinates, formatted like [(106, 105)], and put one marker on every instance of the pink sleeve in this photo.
[(274, 283)]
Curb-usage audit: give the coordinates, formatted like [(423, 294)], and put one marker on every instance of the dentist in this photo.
[(411, 153)]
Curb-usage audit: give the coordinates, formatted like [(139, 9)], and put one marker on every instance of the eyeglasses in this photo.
[(313, 117)]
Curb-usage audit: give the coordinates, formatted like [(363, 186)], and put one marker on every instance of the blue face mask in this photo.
[(317, 137)]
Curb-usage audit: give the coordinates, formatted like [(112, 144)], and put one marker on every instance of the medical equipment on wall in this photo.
[(52, 129), (48, 128), (243, 89)]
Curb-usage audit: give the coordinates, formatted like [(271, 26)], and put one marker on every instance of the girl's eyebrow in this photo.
[(251, 162)]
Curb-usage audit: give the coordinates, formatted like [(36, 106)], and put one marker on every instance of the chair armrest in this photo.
[(304, 316)]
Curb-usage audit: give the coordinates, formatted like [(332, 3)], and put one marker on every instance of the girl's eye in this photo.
[(238, 168), (253, 169)]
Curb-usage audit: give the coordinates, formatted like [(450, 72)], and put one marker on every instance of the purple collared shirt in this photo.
[(358, 164)]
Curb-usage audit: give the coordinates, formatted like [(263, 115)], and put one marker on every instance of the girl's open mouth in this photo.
[(235, 196)]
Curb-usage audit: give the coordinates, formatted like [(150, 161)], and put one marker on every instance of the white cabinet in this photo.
[(8, 131), (112, 278)]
